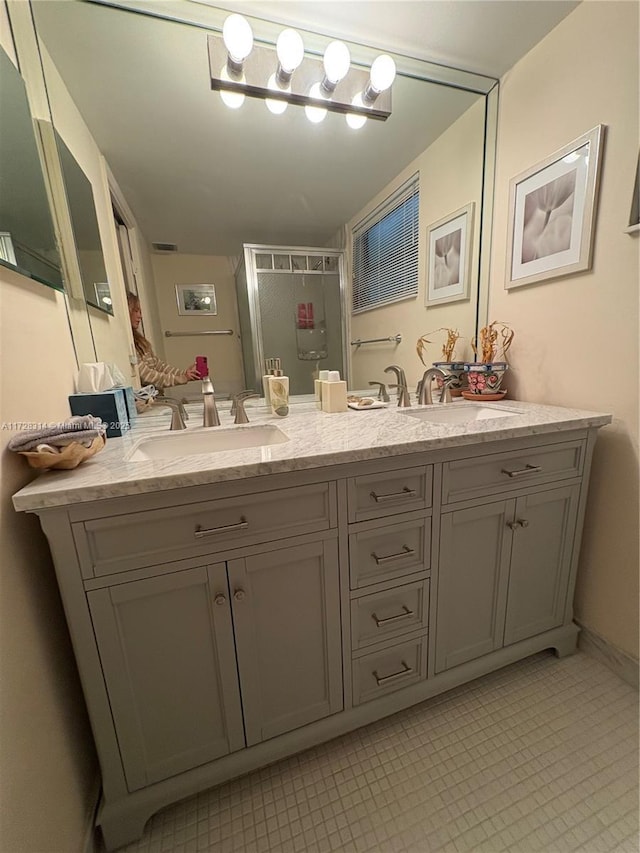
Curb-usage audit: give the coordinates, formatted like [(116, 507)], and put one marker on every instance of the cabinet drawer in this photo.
[(124, 542), (389, 614), (391, 669), (381, 553), (388, 493), (470, 478)]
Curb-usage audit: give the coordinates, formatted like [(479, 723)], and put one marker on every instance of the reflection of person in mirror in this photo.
[(447, 259), (154, 371), (548, 218)]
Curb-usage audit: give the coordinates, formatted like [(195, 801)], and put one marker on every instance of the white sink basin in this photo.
[(459, 413), (173, 445)]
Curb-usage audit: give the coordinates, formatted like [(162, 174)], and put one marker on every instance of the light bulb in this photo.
[(276, 107), (233, 100), (238, 37), (383, 72), (336, 61), (315, 114), (290, 50), (355, 120)]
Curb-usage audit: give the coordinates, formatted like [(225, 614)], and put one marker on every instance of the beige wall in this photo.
[(576, 338), (48, 770), (48, 775), (223, 352), (450, 177)]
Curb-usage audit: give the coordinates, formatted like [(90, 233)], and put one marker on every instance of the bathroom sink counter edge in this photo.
[(315, 439)]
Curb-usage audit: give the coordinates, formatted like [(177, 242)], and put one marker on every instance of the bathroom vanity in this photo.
[(230, 608)]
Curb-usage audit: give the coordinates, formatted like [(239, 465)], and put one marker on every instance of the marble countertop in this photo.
[(316, 439)]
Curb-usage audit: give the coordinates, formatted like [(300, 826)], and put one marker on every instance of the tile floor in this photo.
[(539, 756)]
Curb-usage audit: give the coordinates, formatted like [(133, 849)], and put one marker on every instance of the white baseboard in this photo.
[(623, 664)]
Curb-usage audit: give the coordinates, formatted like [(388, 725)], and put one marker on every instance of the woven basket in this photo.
[(70, 457)]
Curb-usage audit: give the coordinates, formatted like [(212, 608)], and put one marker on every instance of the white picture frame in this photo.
[(449, 242), (196, 300), (552, 210)]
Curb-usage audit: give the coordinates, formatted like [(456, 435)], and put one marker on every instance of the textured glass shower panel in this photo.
[(287, 332)]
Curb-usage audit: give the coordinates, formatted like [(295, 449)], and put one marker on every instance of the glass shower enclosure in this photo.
[(290, 304)]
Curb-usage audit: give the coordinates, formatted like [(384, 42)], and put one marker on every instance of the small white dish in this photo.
[(360, 407)]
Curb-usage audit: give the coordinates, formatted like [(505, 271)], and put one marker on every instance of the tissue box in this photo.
[(130, 402), (111, 406)]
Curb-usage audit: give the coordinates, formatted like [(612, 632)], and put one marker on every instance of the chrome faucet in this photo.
[(404, 400), (211, 418), (425, 397), (237, 408), (178, 413)]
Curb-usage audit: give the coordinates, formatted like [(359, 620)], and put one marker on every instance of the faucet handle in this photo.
[(382, 391), (404, 400), (245, 393), (239, 401)]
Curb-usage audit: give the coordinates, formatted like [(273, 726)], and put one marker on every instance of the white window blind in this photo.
[(385, 250)]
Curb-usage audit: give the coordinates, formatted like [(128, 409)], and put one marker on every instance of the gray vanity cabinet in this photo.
[(167, 653), (189, 656), (286, 615), (504, 572), (219, 628)]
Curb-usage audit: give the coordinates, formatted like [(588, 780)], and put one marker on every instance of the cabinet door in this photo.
[(472, 582), (166, 646), (286, 615), (540, 562)]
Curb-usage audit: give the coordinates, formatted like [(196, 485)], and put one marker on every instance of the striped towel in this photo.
[(80, 428)]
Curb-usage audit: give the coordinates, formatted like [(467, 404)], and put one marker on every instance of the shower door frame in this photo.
[(250, 250)]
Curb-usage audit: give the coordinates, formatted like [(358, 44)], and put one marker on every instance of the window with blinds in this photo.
[(385, 250)]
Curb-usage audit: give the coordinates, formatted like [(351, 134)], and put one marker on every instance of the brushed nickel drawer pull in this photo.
[(519, 472), (220, 599), (405, 671), (200, 532), (381, 622), (406, 551), (519, 522), (405, 493)]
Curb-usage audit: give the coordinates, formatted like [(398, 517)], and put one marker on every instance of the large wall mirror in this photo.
[(209, 179), (82, 211), (27, 238)]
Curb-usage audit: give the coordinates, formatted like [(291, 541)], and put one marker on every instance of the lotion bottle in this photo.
[(334, 393), (279, 391), (265, 380)]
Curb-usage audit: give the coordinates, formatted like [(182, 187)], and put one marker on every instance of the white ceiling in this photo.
[(208, 178), (483, 36)]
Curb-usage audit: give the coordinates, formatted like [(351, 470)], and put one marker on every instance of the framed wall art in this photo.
[(196, 299), (449, 257), (552, 210)]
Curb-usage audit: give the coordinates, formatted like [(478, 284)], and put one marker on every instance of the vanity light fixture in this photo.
[(283, 75)]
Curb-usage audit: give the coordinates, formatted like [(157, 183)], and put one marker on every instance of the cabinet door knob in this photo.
[(220, 600), (239, 595)]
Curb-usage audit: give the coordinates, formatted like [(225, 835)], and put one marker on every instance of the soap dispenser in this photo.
[(268, 373), (279, 391)]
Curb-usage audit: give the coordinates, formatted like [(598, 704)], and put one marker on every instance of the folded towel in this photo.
[(146, 393), (78, 428)]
